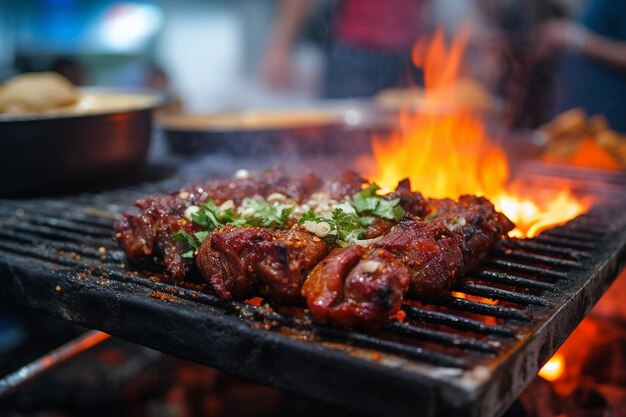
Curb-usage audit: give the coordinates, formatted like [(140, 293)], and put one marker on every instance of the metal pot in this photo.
[(39, 151)]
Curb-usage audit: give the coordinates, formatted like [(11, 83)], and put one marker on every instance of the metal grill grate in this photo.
[(470, 354)]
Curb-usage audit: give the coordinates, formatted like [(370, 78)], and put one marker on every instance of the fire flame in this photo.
[(447, 151), (554, 368)]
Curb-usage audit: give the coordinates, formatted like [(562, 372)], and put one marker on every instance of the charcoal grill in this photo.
[(465, 355)]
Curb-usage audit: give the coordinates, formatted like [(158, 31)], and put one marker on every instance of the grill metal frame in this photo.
[(461, 357)]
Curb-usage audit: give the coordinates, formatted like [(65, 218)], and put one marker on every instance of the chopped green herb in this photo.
[(310, 216), (201, 236), (366, 202), (365, 205), (263, 214), (183, 236), (368, 192), (346, 223), (366, 220), (348, 219)]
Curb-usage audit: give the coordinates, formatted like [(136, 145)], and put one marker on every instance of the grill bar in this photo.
[(500, 294), (527, 269), (510, 279), (364, 340), (543, 259), (538, 247), (442, 337), (565, 243), (482, 308), (586, 236), (456, 321)]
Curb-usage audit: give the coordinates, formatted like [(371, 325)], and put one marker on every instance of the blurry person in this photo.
[(502, 44), (592, 72), (369, 49)]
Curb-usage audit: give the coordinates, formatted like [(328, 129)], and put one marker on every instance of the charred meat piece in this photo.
[(356, 287), (225, 258), (345, 185), (274, 181), (239, 262), (147, 233), (474, 222), (452, 243), (285, 261), (378, 228), (411, 201), (429, 251)]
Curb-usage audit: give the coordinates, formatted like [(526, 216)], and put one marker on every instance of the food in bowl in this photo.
[(37, 92)]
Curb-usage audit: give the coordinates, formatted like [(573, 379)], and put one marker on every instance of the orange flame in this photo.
[(532, 217), (554, 368), (447, 151)]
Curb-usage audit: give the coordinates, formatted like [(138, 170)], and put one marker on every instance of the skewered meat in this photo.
[(433, 253), (146, 233), (411, 201), (236, 189), (345, 185), (239, 262), (474, 222), (430, 252), (356, 287), (351, 259)]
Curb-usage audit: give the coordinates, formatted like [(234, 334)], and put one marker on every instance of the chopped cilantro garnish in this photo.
[(189, 254), (310, 216), (264, 214), (210, 215), (367, 192), (193, 240), (201, 236), (346, 223), (347, 219), (366, 202), (183, 236), (366, 220)]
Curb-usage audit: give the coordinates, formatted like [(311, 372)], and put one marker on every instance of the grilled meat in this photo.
[(411, 201), (146, 233), (474, 222), (452, 243), (356, 287), (236, 189), (425, 256), (429, 251), (240, 262), (345, 185)]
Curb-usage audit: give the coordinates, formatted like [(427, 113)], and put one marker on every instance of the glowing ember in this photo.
[(446, 152), (554, 368)]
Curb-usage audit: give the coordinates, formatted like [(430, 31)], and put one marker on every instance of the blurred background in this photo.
[(247, 53)]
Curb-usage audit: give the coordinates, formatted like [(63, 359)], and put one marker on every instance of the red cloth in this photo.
[(389, 25)]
